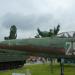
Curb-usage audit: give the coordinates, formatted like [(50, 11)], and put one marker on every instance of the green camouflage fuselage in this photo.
[(16, 50)]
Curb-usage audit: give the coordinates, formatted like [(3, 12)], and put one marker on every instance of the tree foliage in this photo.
[(13, 33), (42, 33), (49, 33), (56, 30)]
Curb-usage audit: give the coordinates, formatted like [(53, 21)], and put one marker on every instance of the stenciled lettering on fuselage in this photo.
[(70, 48)]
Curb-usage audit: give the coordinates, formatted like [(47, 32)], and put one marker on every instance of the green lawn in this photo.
[(42, 69)]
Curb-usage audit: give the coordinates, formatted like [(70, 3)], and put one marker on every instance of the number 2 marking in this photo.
[(69, 48)]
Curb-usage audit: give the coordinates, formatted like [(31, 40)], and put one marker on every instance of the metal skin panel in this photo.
[(50, 46), (11, 55)]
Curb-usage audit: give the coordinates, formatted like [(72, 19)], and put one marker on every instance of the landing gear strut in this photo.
[(62, 66)]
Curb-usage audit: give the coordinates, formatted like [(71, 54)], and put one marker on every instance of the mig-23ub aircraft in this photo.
[(13, 53)]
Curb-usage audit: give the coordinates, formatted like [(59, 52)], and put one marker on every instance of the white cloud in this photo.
[(30, 14)]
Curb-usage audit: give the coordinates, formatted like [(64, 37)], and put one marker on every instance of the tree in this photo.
[(42, 33), (49, 33), (56, 30), (13, 33)]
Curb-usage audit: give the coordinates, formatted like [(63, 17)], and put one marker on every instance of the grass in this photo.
[(42, 69)]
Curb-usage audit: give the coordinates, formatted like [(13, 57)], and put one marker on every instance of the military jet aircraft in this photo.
[(13, 53)]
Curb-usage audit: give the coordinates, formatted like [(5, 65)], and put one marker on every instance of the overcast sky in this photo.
[(28, 15)]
